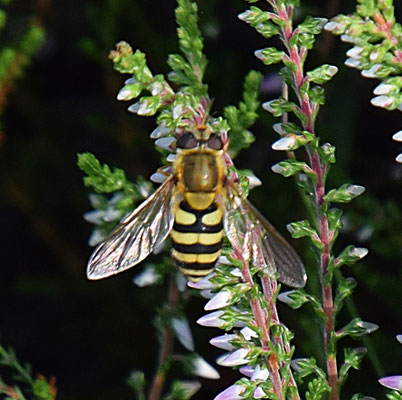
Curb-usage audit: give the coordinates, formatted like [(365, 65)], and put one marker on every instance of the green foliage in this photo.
[(37, 388), (394, 395), (353, 358), (240, 118), (377, 51)]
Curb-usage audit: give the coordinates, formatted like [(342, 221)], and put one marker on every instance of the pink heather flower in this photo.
[(392, 382), (233, 392), (238, 357)]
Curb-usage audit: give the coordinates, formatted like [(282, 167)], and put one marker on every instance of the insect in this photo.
[(197, 204)]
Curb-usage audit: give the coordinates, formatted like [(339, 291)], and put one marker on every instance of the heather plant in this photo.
[(242, 298)]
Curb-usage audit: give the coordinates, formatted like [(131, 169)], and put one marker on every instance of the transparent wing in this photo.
[(136, 235), (259, 242)]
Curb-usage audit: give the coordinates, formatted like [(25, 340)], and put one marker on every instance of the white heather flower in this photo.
[(165, 142), (397, 136), (382, 101), (236, 272), (177, 111), (243, 16), (352, 63), (374, 56), (355, 52), (399, 158), (224, 260), (95, 216), (183, 333), (219, 300), (260, 374), (259, 54), (248, 333), (359, 252), (369, 327), (331, 26), (238, 357), (277, 169), (171, 157), (285, 298), (349, 39), (223, 341), (267, 106), (332, 70), (233, 392), (356, 190), (156, 88), (134, 107), (212, 319), (130, 81), (285, 143), (278, 128), (160, 131), (96, 237), (157, 177), (181, 280), (147, 277), (203, 369), (399, 338), (259, 393), (203, 283), (364, 233), (207, 294), (294, 364), (124, 93), (247, 370), (371, 72), (384, 88)]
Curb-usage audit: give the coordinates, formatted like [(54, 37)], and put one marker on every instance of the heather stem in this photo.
[(262, 321), (166, 347), (296, 55), (269, 288)]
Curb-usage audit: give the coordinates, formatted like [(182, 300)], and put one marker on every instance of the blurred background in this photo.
[(58, 98)]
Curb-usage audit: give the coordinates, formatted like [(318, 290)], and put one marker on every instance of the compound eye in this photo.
[(214, 142), (186, 141)]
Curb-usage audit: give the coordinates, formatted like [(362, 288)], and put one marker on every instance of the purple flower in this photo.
[(392, 382)]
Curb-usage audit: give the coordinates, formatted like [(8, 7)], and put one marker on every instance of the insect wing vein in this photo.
[(267, 248), (136, 235)]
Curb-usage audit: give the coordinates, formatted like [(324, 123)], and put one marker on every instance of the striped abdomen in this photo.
[(197, 239)]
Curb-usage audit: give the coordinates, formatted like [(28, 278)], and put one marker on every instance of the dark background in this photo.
[(90, 335)]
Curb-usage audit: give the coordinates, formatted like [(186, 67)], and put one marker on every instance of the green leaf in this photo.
[(242, 117), (353, 358), (351, 255), (301, 229), (327, 153), (269, 55), (344, 194), (356, 328), (42, 390), (322, 74), (344, 289), (316, 388), (312, 25), (289, 167), (279, 106), (100, 177)]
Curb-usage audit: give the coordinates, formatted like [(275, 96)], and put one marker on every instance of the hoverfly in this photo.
[(197, 204)]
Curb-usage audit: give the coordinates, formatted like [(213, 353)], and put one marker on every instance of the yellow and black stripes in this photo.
[(197, 237)]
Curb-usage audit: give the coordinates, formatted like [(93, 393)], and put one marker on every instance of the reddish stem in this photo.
[(262, 320), (385, 27), (307, 107)]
